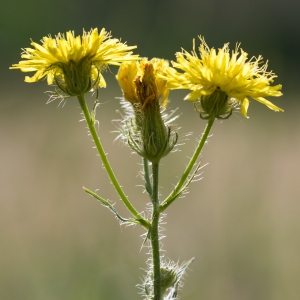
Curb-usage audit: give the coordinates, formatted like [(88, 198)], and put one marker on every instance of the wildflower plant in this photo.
[(219, 82)]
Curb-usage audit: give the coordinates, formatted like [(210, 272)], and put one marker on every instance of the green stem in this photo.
[(189, 167), (155, 235), (148, 185), (111, 175)]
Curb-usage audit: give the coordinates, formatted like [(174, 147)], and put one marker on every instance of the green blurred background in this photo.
[(241, 222)]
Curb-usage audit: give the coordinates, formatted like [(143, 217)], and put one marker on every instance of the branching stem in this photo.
[(91, 125), (189, 167)]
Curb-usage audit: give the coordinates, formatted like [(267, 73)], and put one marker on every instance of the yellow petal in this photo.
[(268, 104), (102, 82), (244, 107), (193, 96)]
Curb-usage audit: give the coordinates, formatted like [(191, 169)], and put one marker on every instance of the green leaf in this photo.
[(140, 221)]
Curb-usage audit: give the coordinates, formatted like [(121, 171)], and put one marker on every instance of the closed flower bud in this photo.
[(169, 277), (149, 134)]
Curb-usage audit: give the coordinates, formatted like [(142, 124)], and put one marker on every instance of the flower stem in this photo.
[(155, 234), (189, 167), (110, 173)]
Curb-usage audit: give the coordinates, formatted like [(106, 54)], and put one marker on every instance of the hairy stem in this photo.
[(155, 235), (90, 122), (189, 167)]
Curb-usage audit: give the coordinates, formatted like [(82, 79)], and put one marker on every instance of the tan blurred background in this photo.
[(241, 222)]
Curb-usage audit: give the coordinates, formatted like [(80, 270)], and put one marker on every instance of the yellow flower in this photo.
[(233, 75), (74, 63), (140, 83)]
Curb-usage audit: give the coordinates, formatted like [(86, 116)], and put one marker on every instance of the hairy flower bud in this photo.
[(171, 274), (149, 134), (169, 277)]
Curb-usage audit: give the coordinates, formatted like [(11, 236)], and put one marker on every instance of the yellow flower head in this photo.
[(233, 75), (140, 83), (74, 63)]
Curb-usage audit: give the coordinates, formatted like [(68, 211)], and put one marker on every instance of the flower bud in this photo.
[(169, 277), (149, 134)]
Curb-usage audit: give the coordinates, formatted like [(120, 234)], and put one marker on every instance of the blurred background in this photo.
[(241, 222)]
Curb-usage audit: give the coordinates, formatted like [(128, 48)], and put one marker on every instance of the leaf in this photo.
[(111, 208)]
